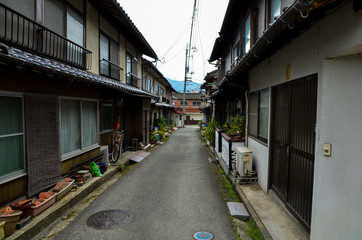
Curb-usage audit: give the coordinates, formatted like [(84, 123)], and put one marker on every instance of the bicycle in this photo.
[(117, 142)]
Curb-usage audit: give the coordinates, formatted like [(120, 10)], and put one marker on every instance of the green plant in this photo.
[(172, 123), (236, 127), (253, 231), (160, 133), (122, 167), (210, 131), (161, 122), (199, 123)]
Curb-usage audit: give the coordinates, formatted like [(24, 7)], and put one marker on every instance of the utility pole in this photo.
[(187, 60)]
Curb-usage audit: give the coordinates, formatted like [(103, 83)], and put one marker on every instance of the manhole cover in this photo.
[(109, 219), (203, 235)]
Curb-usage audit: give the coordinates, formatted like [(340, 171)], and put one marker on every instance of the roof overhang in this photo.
[(115, 14), (295, 20), (33, 62)]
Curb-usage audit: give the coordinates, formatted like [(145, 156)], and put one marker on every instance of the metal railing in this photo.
[(20, 31), (110, 69)]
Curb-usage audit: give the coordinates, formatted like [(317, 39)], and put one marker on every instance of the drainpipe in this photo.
[(246, 117)]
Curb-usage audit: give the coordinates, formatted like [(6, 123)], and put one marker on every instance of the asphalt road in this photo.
[(171, 194)]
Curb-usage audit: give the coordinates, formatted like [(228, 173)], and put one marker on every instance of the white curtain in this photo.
[(70, 126), (89, 123), (11, 135)]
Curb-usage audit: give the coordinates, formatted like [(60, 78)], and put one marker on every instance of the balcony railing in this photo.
[(111, 69), (20, 31), (132, 79)]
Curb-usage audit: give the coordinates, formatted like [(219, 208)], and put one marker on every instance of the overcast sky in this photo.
[(166, 25)]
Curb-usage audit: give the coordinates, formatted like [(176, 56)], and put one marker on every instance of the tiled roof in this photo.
[(57, 68)]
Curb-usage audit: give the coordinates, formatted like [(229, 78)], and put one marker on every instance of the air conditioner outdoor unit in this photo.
[(244, 161)]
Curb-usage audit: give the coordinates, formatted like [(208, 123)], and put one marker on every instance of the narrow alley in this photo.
[(171, 194)]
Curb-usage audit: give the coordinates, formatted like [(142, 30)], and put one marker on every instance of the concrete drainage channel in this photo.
[(109, 219)]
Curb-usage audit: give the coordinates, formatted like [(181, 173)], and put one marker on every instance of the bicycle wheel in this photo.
[(115, 152)]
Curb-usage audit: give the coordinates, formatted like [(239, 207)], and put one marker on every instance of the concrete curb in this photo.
[(57, 209), (252, 212), (244, 199)]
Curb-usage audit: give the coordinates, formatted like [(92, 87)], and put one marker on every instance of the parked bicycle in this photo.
[(117, 143)]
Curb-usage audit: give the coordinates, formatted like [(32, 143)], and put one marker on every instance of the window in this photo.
[(274, 10), (196, 104), (162, 92), (75, 33), (107, 117), (259, 114), (149, 85), (12, 160), (75, 29), (157, 89), (235, 52), (247, 34), (182, 103), (131, 67), (109, 60), (78, 125)]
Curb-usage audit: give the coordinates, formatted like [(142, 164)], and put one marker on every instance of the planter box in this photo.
[(229, 145), (64, 191), (24, 208), (36, 210)]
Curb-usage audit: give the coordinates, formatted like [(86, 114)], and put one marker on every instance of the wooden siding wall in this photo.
[(67, 164), (13, 190), (27, 81)]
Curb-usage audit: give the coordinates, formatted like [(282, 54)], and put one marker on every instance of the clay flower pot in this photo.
[(79, 178)]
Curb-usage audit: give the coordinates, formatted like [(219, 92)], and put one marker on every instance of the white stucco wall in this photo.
[(336, 207), (260, 161)]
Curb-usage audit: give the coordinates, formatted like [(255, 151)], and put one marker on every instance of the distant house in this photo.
[(192, 105), (154, 82), (293, 68), (210, 86), (70, 75)]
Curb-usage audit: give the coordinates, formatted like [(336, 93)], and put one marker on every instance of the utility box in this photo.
[(244, 161)]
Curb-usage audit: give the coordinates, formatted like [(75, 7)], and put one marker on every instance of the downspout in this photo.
[(246, 117)]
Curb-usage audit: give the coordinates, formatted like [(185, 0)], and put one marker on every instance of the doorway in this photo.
[(293, 146)]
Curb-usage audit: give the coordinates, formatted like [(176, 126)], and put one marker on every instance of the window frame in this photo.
[(149, 84), (157, 89), (111, 43), (182, 104), (198, 104), (82, 149), (235, 52), (133, 67), (19, 173), (258, 119), (270, 16)]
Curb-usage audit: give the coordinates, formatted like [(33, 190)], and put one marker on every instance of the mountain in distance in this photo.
[(179, 85)]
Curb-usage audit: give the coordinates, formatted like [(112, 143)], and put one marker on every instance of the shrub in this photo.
[(210, 131)]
